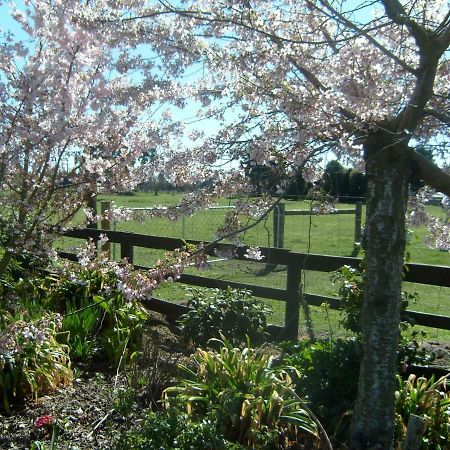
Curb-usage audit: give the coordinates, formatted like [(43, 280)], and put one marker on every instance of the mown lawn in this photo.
[(328, 234)]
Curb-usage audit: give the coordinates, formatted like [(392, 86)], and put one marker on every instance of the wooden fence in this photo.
[(295, 262)]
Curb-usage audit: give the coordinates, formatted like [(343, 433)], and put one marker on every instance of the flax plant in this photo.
[(253, 401), (428, 399)]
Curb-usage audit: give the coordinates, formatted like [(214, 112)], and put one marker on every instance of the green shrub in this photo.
[(32, 361), (97, 316), (429, 399), (328, 375), (234, 314), (253, 402), (350, 283), (175, 430)]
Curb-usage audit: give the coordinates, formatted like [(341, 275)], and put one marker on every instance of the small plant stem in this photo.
[(116, 379), (99, 423)]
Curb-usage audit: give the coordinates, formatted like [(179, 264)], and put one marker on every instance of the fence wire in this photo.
[(331, 234)]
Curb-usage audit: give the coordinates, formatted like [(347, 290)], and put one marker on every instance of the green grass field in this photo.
[(327, 234)]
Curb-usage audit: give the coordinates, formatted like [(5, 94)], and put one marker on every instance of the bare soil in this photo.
[(94, 410)]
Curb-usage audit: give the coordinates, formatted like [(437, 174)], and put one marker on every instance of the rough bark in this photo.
[(387, 172)]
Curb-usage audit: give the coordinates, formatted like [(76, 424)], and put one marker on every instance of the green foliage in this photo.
[(328, 374), (350, 283), (356, 184), (174, 430), (122, 326), (32, 361), (80, 328), (234, 314), (428, 399), (253, 402), (333, 179), (97, 318), (21, 298), (350, 291), (409, 349)]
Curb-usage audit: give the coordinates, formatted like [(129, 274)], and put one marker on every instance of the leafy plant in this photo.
[(122, 326), (429, 399), (172, 429), (350, 291), (254, 402), (32, 361), (81, 325), (328, 374), (350, 282), (97, 316), (232, 313)]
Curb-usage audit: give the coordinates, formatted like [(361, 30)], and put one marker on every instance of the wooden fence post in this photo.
[(414, 433), (105, 224), (358, 217), (127, 251), (292, 311), (278, 225)]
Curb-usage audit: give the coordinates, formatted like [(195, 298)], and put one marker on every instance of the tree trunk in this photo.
[(387, 171)]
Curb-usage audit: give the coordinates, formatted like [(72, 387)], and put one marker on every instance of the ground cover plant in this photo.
[(174, 430)]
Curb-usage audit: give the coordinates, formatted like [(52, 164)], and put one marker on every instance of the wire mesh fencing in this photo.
[(330, 234)]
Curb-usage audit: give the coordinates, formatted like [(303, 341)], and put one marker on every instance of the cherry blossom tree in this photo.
[(366, 79), (285, 81), (77, 112)]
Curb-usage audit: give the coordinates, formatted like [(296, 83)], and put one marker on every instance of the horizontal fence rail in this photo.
[(295, 262)]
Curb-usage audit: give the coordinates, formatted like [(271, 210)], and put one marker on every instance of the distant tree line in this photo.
[(344, 183), (338, 181), (159, 183)]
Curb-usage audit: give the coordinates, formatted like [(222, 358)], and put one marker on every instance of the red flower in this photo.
[(44, 421)]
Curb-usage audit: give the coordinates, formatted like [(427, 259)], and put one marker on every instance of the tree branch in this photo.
[(337, 15), (431, 174), (441, 116), (395, 11)]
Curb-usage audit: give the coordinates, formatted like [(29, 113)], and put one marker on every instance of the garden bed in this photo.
[(100, 405)]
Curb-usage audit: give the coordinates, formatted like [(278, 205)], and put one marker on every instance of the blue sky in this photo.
[(187, 115)]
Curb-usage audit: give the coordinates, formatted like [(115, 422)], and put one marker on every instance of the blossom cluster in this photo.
[(254, 253), (44, 421), (124, 277), (438, 228), (22, 335)]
